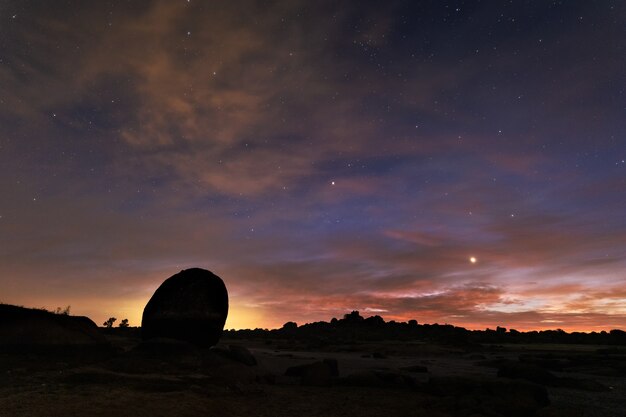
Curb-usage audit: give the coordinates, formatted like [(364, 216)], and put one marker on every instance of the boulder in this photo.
[(314, 374), (236, 353), (25, 329), (415, 369), (191, 306), (243, 355)]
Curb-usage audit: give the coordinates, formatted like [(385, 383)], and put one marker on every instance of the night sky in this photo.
[(450, 162)]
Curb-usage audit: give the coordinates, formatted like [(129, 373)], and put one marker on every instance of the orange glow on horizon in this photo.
[(242, 317)]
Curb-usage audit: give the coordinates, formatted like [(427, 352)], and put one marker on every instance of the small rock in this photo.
[(415, 368), (476, 357), (378, 379), (241, 354), (315, 374)]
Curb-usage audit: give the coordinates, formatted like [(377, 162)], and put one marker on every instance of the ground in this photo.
[(177, 379)]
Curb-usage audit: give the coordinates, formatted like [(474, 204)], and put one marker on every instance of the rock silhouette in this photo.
[(25, 329), (354, 327), (191, 306)]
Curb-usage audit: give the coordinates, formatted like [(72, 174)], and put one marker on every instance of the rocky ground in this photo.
[(281, 378)]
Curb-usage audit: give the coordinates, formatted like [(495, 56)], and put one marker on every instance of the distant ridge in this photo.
[(354, 327)]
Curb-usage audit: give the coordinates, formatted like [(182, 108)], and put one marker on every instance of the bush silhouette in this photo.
[(65, 311)]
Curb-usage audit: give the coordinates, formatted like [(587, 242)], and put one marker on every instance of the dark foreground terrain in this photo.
[(265, 376)]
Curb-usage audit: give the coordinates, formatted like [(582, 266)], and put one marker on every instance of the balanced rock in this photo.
[(191, 306)]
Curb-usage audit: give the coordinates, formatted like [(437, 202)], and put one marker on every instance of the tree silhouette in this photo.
[(109, 323), (124, 323)]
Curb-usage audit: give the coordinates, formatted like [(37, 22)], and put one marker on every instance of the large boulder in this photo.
[(24, 329), (191, 306)]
